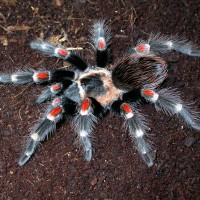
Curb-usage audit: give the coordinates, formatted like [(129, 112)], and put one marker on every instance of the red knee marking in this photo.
[(62, 52), (148, 93), (142, 47), (56, 101), (42, 75), (127, 108), (55, 111), (101, 43), (56, 87), (85, 105)]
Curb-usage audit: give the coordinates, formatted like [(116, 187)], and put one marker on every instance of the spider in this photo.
[(85, 93)]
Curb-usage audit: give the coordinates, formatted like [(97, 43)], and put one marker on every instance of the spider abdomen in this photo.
[(138, 71)]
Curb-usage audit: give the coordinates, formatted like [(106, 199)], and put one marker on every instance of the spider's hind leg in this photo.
[(84, 124), (137, 127), (169, 101), (60, 106)]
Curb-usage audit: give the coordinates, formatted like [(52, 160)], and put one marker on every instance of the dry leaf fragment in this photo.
[(58, 3), (17, 28), (4, 40)]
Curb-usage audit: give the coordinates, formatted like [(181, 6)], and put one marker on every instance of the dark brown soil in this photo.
[(58, 170)]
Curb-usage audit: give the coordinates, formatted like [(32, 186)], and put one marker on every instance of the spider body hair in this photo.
[(133, 72), (99, 85)]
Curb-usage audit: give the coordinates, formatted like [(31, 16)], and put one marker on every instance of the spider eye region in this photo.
[(93, 85)]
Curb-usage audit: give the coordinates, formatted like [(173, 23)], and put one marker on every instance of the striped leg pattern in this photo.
[(137, 125), (169, 101), (53, 91), (101, 40), (162, 44), (59, 52), (47, 125), (84, 123), (24, 77)]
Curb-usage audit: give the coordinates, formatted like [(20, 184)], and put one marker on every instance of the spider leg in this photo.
[(59, 52), (53, 90), (101, 39), (60, 106), (169, 101), (161, 44), (137, 126), (38, 76), (84, 124)]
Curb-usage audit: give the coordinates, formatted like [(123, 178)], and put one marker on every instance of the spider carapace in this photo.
[(83, 92)]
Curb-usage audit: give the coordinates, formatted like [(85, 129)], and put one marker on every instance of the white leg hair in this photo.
[(23, 77), (163, 44), (17, 78), (100, 33), (84, 124), (60, 52), (137, 125), (50, 49), (168, 100)]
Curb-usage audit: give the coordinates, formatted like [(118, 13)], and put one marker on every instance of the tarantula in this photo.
[(84, 92)]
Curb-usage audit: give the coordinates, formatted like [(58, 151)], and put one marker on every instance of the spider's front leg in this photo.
[(101, 40), (37, 76), (49, 49), (84, 124), (169, 101), (60, 106), (60, 52), (137, 127)]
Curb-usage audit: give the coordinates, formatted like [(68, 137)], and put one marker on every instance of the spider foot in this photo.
[(87, 146)]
